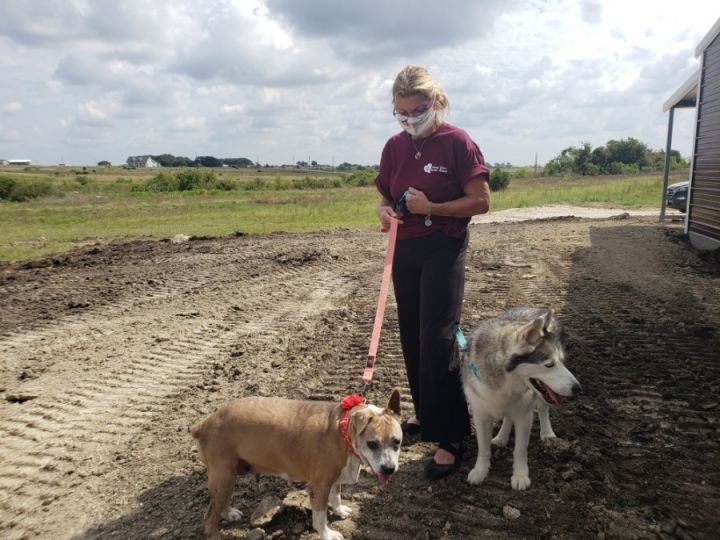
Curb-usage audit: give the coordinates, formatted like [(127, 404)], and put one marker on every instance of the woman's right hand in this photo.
[(386, 214)]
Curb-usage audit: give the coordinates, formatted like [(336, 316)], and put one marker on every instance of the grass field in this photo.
[(98, 204)]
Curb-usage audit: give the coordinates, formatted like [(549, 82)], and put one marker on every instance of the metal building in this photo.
[(702, 91)]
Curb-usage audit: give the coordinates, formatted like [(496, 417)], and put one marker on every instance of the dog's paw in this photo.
[(329, 534), (499, 441), (548, 438), (231, 514), (342, 511), (477, 475), (520, 482)]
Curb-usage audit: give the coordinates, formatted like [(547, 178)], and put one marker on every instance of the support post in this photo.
[(666, 169)]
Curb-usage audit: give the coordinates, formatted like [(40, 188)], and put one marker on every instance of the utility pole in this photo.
[(536, 164)]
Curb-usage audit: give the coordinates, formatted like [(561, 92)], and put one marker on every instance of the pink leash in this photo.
[(382, 301)]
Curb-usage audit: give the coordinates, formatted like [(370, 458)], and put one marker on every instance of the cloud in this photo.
[(277, 79), (188, 123), (11, 107), (80, 69), (53, 23), (234, 49), (591, 11), (380, 29), (97, 113)]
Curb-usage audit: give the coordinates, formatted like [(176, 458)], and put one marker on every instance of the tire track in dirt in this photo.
[(654, 379), (292, 316), (511, 279), (610, 335), (102, 409), (85, 327), (145, 296)]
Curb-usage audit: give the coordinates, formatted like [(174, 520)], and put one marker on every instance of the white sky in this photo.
[(279, 81)]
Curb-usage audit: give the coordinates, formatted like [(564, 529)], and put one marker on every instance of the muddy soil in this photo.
[(109, 354)]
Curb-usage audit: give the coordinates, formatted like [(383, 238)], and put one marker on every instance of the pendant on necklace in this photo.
[(417, 155), (428, 221)]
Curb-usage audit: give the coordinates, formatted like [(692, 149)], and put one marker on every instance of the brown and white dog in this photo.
[(321, 443)]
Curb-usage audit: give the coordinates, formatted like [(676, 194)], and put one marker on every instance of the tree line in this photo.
[(168, 160), (626, 156)]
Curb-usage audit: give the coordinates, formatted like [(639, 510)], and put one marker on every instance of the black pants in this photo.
[(429, 281)]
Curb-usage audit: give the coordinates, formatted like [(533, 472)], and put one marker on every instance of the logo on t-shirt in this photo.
[(430, 168)]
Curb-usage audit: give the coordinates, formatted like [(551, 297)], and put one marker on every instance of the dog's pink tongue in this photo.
[(550, 396), (383, 479), (553, 398)]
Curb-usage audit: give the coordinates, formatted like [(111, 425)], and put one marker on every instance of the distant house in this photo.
[(702, 91), (3, 162), (19, 162), (136, 162)]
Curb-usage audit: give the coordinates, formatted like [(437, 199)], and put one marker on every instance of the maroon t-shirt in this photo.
[(450, 158)]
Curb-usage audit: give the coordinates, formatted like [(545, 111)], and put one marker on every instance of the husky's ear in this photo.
[(394, 403), (551, 325), (532, 333)]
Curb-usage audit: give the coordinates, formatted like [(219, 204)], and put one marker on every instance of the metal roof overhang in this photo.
[(708, 39), (685, 96)]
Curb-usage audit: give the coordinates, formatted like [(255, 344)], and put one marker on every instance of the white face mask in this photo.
[(418, 125)]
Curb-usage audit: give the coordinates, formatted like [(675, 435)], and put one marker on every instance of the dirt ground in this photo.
[(111, 352)]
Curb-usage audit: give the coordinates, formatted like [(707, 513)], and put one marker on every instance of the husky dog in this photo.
[(514, 361), (502, 437)]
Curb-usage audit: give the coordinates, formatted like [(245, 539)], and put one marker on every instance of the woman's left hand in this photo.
[(417, 202)]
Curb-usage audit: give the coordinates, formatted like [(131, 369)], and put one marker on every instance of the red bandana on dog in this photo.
[(353, 400), (348, 403)]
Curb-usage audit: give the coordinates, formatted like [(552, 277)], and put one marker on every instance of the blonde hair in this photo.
[(417, 80)]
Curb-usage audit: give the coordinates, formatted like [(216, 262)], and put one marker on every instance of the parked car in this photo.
[(676, 196)]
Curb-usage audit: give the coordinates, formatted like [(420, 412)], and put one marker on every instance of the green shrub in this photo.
[(23, 190), (499, 179), (279, 184), (160, 182), (190, 179), (225, 184), (185, 180), (617, 167), (257, 184), (591, 170), (7, 186), (563, 165), (361, 177), (316, 183)]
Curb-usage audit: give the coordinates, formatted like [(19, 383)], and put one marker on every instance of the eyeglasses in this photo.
[(419, 111)]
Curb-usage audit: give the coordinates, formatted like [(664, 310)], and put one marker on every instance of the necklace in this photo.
[(418, 151)]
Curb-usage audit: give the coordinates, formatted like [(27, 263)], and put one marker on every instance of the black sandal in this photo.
[(435, 470), (410, 428)]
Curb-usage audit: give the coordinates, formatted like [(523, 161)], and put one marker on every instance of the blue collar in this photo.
[(463, 347)]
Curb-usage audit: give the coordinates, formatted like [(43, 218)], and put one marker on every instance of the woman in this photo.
[(442, 175)]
